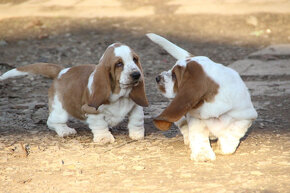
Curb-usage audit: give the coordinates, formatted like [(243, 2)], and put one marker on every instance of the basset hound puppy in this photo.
[(101, 95), (207, 98)]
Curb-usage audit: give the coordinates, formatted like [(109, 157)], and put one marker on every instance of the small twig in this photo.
[(121, 145), (25, 181), (24, 150)]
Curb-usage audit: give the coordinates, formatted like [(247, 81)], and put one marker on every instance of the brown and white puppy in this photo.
[(207, 97), (102, 94)]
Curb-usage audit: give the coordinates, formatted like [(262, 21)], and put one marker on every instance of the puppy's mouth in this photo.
[(132, 84)]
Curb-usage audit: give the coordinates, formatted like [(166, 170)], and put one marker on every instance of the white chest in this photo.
[(116, 111)]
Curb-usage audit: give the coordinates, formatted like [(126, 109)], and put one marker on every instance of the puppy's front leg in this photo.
[(136, 123), (183, 127), (100, 129), (199, 141)]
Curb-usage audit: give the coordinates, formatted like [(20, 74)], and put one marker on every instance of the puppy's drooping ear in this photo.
[(100, 87), (138, 92), (193, 89)]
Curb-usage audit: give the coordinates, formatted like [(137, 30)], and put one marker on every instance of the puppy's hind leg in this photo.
[(58, 117), (229, 140)]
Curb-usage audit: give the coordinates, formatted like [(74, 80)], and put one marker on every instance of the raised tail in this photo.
[(45, 69), (172, 49)]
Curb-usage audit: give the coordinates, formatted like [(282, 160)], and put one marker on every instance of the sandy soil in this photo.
[(35, 159), (136, 8)]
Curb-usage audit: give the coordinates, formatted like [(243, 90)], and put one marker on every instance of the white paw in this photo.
[(137, 135), (228, 146), (203, 154), (65, 131), (104, 138)]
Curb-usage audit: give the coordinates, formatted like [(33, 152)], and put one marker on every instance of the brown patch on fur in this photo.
[(109, 60), (45, 69), (160, 84), (161, 88), (51, 91), (178, 71), (175, 87), (194, 87), (89, 110), (72, 90), (116, 74)]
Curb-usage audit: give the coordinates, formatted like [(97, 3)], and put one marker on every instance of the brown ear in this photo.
[(138, 92), (162, 125), (193, 86), (101, 87), (138, 95)]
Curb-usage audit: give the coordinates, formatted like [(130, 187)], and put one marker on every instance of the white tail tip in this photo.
[(175, 51), (153, 37), (12, 73)]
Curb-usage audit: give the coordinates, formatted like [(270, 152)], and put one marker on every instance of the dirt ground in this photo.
[(35, 159)]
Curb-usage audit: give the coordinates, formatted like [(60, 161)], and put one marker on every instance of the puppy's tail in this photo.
[(45, 69), (172, 49)]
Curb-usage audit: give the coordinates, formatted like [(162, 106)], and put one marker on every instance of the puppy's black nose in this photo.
[(158, 78), (135, 75)]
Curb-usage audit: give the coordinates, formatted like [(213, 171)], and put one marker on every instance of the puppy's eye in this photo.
[(173, 76), (119, 64), (135, 59)]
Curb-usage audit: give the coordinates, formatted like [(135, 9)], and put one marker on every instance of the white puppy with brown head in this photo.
[(102, 94), (207, 98)]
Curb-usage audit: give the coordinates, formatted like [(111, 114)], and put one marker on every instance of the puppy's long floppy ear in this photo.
[(138, 92), (101, 86), (192, 88)]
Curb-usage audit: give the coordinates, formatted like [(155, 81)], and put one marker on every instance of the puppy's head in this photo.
[(188, 85), (119, 68), (169, 81)]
